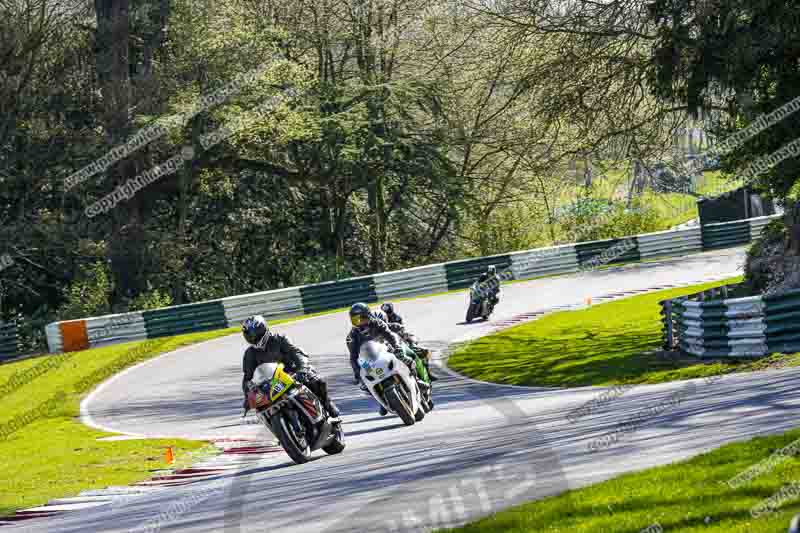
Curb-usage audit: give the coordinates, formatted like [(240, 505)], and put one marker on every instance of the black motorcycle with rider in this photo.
[(395, 322), (484, 295)]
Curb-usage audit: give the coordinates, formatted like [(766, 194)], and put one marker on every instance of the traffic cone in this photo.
[(589, 301), (169, 456)]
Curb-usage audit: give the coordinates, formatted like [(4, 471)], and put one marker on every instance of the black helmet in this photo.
[(360, 314), (388, 308), (256, 331)]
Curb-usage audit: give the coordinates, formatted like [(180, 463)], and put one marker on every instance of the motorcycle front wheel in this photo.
[(289, 441), (399, 405), (337, 444), (470, 312)]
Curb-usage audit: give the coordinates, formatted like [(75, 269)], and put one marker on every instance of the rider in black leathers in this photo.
[(268, 347), (395, 322), (490, 282), (391, 314), (370, 326)]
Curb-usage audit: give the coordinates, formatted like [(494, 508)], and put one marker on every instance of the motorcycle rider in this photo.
[(490, 282), (370, 326), (391, 314), (395, 322), (268, 347)]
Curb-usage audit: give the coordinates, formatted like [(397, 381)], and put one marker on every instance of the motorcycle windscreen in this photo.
[(371, 350), (263, 373)]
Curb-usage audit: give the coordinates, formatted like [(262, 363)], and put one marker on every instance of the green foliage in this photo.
[(508, 228), (88, 294), (617, 220), (714, 55), (585, 208), (429, 155), (150, 300), (319, 269)]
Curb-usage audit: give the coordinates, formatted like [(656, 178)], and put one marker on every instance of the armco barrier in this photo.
[(544, 262), (185, 319), (783, 322), (55, 343), (751, 326), (669, 243), (9, 340), (281, 303), (726, 234), (295, 301), (586, 252), (757, 226), (115, 328), (335, 294), (428, 279), (462, 274)]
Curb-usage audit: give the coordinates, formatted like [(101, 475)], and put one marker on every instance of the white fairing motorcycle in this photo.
[(390, 382)]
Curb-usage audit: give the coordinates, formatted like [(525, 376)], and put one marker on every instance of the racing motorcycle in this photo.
[(479, 303), (293, 413), (392, 385)]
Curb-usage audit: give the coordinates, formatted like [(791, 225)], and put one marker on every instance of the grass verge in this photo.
[(687, 497), (611, 343), (46, 452)]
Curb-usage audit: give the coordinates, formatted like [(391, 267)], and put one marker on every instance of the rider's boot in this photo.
[(327, 401), (332, 408), (383, 411)]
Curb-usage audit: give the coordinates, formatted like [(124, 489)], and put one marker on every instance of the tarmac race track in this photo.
[(482, 449)]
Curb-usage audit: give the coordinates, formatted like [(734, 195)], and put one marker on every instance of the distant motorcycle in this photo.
[(479, 303), (293, 413), (392, 385)]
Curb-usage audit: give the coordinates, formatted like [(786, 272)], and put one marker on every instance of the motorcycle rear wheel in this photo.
[(289, 441), (399, 406)]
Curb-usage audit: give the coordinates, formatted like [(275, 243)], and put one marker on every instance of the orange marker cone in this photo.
[(169, 456)]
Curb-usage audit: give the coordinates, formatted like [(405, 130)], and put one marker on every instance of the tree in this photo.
[(743, 57)]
